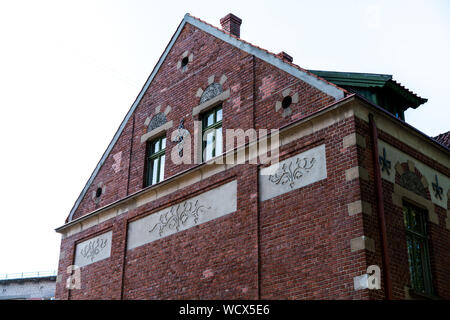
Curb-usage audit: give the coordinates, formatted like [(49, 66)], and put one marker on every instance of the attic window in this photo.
[(184, 62), (286, 103), (98, 193)]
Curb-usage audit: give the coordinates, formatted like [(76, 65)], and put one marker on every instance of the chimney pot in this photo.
[(285, 57), (231, 24)]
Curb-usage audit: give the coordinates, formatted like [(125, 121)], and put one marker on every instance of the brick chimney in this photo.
[(285, 57), (231, 24)]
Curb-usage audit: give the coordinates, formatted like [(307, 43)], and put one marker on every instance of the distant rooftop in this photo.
[(28, 275), (444, 139)]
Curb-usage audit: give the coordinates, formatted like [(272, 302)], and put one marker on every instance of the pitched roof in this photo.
[(444, 139), (269, 57)]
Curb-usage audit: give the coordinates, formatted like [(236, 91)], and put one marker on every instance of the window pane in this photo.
[(156, 146), (210, 119), (209, 145), (161, 169), (417, 247), (218, 144), (219, 115), (163, 143), (155, 171)]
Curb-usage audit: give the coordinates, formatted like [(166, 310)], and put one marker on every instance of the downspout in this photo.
[(131, 154), (258, 222), (380, 209)]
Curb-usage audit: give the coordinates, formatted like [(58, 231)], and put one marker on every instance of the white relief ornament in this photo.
[(93, 248), (290, 172)]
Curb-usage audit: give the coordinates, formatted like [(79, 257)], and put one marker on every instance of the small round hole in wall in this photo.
[(184, 62), (286, 103), (98, 193)]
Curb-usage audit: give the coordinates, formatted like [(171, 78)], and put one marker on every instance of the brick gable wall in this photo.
[(294, 246)]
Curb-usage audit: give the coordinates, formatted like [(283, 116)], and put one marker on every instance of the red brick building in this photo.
[(356, 186)]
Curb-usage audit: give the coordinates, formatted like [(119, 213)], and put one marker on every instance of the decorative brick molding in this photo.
[(286, 112), (157, 123), (401, 193), (212, 95), (97, 197), (211, 103), (189, 56), (156, 132)]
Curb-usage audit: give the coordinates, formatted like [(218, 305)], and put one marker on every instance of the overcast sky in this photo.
[(70, 70)]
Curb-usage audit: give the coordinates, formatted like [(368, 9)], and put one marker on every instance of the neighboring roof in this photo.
[(444, 139), (269, 57), (366, 80)]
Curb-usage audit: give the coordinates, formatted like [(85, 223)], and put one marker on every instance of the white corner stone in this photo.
[(362, 243), (361, 282), (355, 173), (359, 207)]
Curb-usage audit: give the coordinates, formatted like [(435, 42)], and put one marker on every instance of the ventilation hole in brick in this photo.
[(98, 193), (286, 102), (184, 62)]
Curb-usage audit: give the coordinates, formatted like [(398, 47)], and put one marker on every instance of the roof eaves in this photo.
[(415, 99), (323, 85)]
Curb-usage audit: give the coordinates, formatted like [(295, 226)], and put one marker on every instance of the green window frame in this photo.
[(155, 161), (415, 219), (212, 133)]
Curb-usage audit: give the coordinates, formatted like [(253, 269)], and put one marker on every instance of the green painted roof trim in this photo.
[(370, 80)]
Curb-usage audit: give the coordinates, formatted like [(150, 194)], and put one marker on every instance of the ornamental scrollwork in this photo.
[(93, 248), (292, 171), (410, 181), (157, 121), (384, 162), (178, 216), (212, 91), (438, 191)]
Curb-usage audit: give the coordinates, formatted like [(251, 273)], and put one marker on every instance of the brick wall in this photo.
[(439, 234), (294, 246)]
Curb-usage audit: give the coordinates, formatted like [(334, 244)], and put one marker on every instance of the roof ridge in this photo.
[(269, 52)]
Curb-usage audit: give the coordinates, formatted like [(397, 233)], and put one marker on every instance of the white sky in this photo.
[(70, 70)]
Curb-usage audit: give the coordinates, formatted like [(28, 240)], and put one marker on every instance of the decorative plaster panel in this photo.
[(293, 173), (194, 211), (396, 156), (93, 250)]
